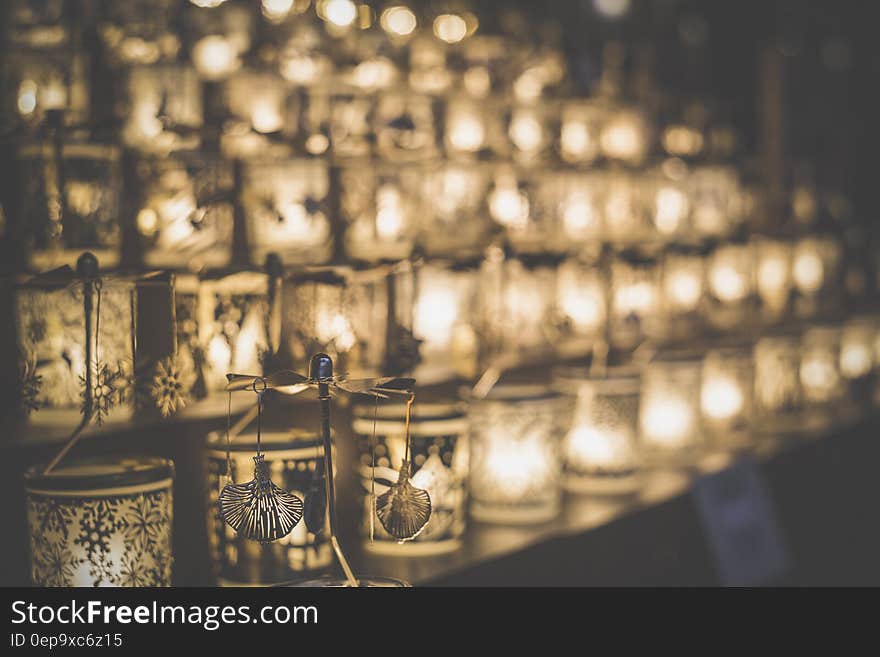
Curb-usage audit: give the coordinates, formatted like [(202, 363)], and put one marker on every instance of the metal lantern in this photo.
[(380, 206), (600, 450), (70, 202), (285, 204), (516, 454), (292, 457), (185, 220), (439, 451), (101, 522)]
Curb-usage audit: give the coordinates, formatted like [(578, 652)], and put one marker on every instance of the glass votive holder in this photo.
[(682, 289), (530, 133), (453, 221), (625, 136), (515, 436), (350, 128), (576, 200), (773, 278), (340, 312), (220, 36), (292, 456), (380, 206), (164, 109), (671, 203), (70, 203), (730, 277), (858, 340), (472, 127), (405, 127), (186, 216), (815, 272), (824, 389), (727, 382), (438, 302), (286, 213), (600, 451), (778, 396), (670, 432), (581, 292), (259, 115), (439, 465), (37, 82), (104, 521), (717, 200), (580, 127), (626, 216), (511, 205), (635, 303)]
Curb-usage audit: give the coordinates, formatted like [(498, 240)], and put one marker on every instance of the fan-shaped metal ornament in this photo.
[(259, 510), (403, 509)]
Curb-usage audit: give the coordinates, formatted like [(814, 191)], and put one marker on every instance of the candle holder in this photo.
[(472, 128), (576, 202), (261, 116), (40, 83), (220, 36), (671, 202), (286, 211), (600, 450), (683, 283), (139, 32), (439, 457), (816, 275), (581, 291), (404, 125), (164, 109), (717, 200), (101, 522), (70, 202), (380, 206), (778, 396), (437, 302), (730, 277), (824, 388), (859, 339), (670, 431), (185, 220), (727, 382), (349, 121), (625, 135), (530, 133), (626, 212), (293, 457), (454, 223), (516, 454), (579, 132), (773, 277), (635, 298)]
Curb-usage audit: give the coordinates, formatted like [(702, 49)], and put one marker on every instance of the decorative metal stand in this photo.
[(321, 376)]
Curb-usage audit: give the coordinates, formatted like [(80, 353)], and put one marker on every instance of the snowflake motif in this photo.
[(144, 524), (95, 530), (29, 384), (58, 565), (171, 386), (55, 517), (102, 570), (106, 393), (132, 572)]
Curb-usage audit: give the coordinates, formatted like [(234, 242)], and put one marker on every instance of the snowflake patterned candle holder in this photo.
[(50, 322), (516, 454), (453, 220), (600, 450), (101, 522), (726, 394), (777, 393), (380, 206), (730, 279), (437, 302), (773, 278), (186, 217), (670, 433), (285, 204), (340, 312), (164, 112), (292, 457), (70, 202), (439, 451)]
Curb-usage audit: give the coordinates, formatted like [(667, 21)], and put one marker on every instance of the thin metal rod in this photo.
[(71, 441), (324, 397)]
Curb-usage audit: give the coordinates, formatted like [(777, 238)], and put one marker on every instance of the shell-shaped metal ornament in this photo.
[(403, 509), (259, 510)]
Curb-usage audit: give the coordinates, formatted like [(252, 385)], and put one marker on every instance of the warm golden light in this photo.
[(682, 140), (669, 422), (276, 10), (266, 115), (721, 398), (580, 294), (215, 57), (508, 205), (340, 13), (857, 347), (579, 215), (730, 273), (577, 141), (467, 131), (774, 274), (389, 213), (450, 28), (623, 137), (27, 97), (683, 285), (526, 132), (398, 20), (671, 207), (808, 270)]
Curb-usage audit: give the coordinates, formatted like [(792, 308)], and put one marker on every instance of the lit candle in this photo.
[(774, 275), (669, 417), (725, 396), (820, 377), (580, 296), (857, 341)]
